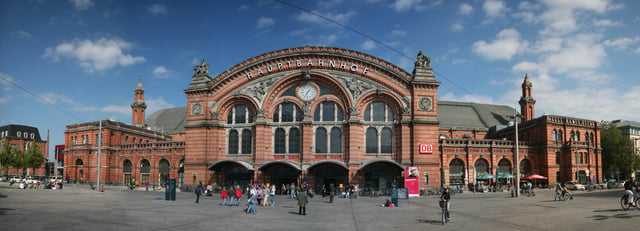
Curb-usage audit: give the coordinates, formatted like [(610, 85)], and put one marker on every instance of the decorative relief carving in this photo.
[(425, 103), (260, 112), (259, 90), (306, 73), (422, 61), (196, 109), (355, 86), (406, 111), (353, 110), (202, 68), (306, 109)]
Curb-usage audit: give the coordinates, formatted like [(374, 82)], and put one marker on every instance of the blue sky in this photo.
[(83, 58)]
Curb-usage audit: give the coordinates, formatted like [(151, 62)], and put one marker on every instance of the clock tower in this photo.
[(138, 106), (527, 102)]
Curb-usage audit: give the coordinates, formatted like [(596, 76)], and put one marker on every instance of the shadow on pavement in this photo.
[(4, 210), (618, 216), (433, 222)]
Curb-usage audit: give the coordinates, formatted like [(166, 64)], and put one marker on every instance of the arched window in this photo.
[(294, 140), (554, 135), (287, 118), (321, 140), (378, 117), (482, 167), (577, 136), (560, 136), (280, 138), (233, 142), (336, 140), (372, 140), (240, 125), (456, 172), (504, 166), (247, 140), (525, 167), (328, 116)]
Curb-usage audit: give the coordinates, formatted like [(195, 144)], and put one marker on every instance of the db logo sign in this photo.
[(426, 148)]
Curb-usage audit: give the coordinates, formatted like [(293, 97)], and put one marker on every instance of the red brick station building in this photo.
[(329, 115)]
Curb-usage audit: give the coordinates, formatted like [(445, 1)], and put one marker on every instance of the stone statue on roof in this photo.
[(202, 68), (422, 60)]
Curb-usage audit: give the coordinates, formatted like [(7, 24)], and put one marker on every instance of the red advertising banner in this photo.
[(412, 180)]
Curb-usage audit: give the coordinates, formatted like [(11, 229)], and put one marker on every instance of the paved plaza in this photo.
[(77, 207)]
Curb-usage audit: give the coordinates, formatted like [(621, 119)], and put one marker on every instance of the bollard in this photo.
[(101, 188)]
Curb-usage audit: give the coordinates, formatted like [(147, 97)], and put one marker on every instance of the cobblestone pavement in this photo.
[(77, 207)]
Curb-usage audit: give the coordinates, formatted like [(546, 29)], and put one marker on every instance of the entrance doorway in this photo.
[(282, 175)]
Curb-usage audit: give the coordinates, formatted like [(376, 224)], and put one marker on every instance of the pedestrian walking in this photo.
[(231, 194), (446, 197), (223, 196), (558, 192), (332, 192), (302, 202), (198, 192), (272, 196)]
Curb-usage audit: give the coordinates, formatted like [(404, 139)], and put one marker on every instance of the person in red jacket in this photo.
[(238, 195), (223, 195)]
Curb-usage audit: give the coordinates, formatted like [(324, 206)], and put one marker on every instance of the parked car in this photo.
[(613, 183), (571, 185)]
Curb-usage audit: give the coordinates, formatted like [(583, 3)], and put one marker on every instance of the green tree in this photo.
[(33, 158), (6, 157), (617, 150)]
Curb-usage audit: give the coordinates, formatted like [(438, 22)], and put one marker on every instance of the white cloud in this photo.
[(547, 45), (525, 16), (527, 6), (313, 19), (621, 43), (456, 27), (157, 9), (581, 53), (368, 45), (162, 72), (638, 50), (117, 109), (605, 23), (465, 9), (504, 47), (560, 18), (398, 33), (405, 5), (327, 39), (494, 8), (154, 104), (53, 98), (81, 5), (98, 55), (23, 34), (525, 67), (264, 22)]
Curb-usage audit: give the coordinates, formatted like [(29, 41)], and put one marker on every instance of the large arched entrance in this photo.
[(145, 170), (481, 167), (163, 174), (127, 168), (456, 172), (379, 174), (328, 172), (504, 169), (525, 168), (79, 171), (232, 173), (280, 173)]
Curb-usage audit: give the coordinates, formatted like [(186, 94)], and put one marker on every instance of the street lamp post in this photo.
[(515, 119)]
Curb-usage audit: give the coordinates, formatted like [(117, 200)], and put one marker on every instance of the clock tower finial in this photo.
[(138, 106), (527, 102)]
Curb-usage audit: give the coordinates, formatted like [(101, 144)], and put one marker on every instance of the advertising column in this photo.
[(411, 180)]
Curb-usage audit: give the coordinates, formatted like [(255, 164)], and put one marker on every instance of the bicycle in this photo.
[(624, 202), (443, 206)]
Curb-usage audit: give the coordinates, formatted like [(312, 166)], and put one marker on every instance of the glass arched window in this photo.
[(482, 167), (456, 172), (378, 117), (321, 140), (287, 118), (577, 136), (247, 140), (336, 140), (233, 142), (554, 136), (525, 167), (328, 117), (372, 140), (560, 136), (294, 140), (280, 138), (240, 130), (504, 166)]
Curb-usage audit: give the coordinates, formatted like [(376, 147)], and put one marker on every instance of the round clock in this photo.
[(307, 92)]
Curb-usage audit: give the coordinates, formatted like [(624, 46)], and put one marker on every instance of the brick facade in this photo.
[(362, 126)]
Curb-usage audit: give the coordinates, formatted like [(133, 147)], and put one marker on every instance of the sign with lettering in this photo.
[(426, 148)]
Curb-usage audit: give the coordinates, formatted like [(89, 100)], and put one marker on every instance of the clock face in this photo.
[(307, 92)]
